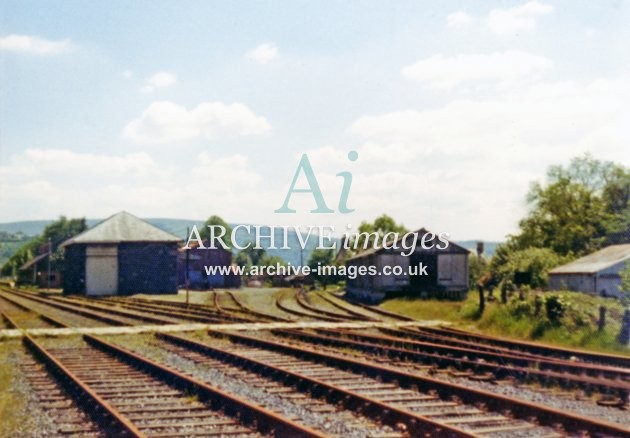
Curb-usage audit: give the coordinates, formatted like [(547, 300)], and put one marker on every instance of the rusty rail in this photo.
[(498, 370), (519, 408), (474, 354), (534, 347), (368, 406), (104, 414), (263, 419)]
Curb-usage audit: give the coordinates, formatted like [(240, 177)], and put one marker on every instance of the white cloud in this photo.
[(159, 80), (127, 74), (458, 19), (34, 45), (517, 19), (467, 165), (43, 183), (166, 122), (264, 53), (40, 163), (439, 71)]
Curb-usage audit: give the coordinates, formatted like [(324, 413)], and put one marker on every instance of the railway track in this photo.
[(331, 419), (369, 377), (343, 306), (447, 333), (162, 313), (14, 313), (66, 415), (614, 391), (129, 395), (304, 301), (283, 302), (538, 362), (408, 410), (235, 308), (331, 369), (101, 316), (184, 310), (249, 311)]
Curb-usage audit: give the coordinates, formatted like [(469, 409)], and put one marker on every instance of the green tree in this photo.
[(318, 258), (583, 206), (536, 261), (369, 232), (217, 220), (243, 259), (255, 256), (57, 232)]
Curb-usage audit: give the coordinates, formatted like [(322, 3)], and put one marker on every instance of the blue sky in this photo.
[(186, 109)]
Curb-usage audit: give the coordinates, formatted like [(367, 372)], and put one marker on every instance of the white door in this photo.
[(101, 270)]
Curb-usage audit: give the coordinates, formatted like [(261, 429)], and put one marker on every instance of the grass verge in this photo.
[(568, 319)]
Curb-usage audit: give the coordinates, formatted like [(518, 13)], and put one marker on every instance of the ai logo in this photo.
[(313, 187)]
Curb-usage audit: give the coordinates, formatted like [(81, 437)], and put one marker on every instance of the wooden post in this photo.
[(624, 334), (48, 270), (482, 302), (601, 323)]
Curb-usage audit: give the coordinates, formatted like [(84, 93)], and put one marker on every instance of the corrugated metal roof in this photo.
[(421, 232), (595, 262), (122, 227)]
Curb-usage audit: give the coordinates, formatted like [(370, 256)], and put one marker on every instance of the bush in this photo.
[(536, 261), (520, 309), (555, 308)]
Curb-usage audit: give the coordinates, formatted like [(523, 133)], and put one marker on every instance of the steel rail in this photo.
[(301, 299), (104, 414), (118, 312), (44, 317), (157, 310), (263, 419), (499, 371), (246, 309), (346, 309), (391, 415), (280, 305), (501, 358), (519, 408), (74, 309), (537, 348)]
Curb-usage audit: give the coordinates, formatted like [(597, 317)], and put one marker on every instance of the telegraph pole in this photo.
[(49, 255), (187, 269)]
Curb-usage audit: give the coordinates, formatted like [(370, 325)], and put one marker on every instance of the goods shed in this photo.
[(121, 255), (598, 273), (445, 272)]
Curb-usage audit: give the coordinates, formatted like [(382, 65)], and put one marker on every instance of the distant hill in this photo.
[(178, 227), (489, 247)]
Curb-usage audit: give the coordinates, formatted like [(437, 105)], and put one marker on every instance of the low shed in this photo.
[(121, 255), (445, 272), (597, 273), (195, 261)]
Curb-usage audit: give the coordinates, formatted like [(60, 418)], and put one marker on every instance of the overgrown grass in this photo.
[(12, 404), (574, 326)]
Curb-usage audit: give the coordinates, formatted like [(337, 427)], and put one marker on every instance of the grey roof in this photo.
[(595, 262), (421, 232), (33, 261), (122, 227)]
